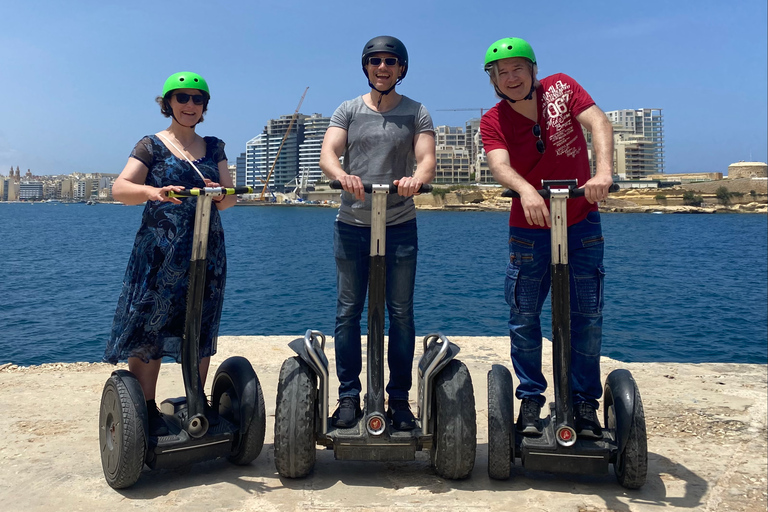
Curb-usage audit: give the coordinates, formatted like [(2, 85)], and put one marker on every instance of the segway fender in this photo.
[(137, 396), (244, 379), (298, 345), (431, 351), (622, 387)]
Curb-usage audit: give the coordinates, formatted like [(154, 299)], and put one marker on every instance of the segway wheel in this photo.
[(295, 419), (455, 427), (631, 464), (501, 435), (236, 395), (122, 432)]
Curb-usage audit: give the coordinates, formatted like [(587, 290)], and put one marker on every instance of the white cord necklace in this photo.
[(184, 155)]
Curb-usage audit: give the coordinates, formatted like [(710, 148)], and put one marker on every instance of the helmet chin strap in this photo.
[(383, 93)]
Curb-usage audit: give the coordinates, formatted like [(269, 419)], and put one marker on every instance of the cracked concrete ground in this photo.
[(706, 427)]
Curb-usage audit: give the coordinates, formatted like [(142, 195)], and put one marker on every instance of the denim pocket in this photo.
[(589, 291), (520, 292), (592, 241), (520, 242), (593, 218), (510, 283)]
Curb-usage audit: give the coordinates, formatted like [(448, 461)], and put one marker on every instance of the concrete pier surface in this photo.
[(706, 427)]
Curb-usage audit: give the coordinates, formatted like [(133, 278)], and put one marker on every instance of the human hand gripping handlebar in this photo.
[(211, 191), (368, 187), (574, 192)]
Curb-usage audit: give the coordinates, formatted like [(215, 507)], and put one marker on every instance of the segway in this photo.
[(446, 415), (558, 449), (233, 426)]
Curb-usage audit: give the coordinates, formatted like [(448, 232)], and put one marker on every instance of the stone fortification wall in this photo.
[(748, 170)]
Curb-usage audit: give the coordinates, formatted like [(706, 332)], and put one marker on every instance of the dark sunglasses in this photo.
[(183, 98), (539, 143), (376, 61)]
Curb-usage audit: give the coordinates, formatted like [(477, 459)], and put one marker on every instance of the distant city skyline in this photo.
[(80, 79)]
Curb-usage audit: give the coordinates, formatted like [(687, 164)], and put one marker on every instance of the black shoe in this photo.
[(211, 415), (399, 413), (528, 418), (157, 426), (347, 413), (586, 423)]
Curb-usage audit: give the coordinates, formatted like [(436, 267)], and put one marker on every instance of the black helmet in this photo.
[(386, 44)]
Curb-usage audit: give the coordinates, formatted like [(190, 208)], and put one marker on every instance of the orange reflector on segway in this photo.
[(374, 424)]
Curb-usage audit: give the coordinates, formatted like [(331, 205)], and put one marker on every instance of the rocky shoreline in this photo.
[(747, 196)]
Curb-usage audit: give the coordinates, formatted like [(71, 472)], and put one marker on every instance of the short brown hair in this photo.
[(167, 111)]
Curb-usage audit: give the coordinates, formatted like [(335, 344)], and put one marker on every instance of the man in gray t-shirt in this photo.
[(381, 136)]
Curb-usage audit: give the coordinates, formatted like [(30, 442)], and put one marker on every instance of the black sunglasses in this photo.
[(183, 98), (539, 143), (389, 61)]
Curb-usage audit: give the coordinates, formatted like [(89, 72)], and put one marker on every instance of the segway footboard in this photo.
[(544, 453)]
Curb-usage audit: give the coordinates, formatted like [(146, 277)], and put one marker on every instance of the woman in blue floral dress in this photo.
[(150, 316)]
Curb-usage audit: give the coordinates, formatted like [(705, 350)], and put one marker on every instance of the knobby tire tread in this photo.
[(500, 425), (455, 443), (133, 448), (295, 420)]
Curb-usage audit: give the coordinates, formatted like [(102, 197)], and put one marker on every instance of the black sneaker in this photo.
[(586, 423), (528, 418), (399, 413), (347, 413), (157, 426), (210, 414)]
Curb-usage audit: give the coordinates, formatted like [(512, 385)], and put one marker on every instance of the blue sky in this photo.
[(78, 79)]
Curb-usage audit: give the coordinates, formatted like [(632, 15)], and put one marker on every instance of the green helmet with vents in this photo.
[(507, 48), (185, 80)]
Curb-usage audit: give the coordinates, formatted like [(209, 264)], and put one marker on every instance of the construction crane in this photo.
[(287, 132), (482, 110)]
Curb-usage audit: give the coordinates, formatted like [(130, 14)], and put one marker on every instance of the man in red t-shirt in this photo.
[(534, 134)]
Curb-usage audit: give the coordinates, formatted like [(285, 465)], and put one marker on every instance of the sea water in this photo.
[(680, 288)]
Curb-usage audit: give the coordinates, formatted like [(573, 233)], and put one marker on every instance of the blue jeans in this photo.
[(351, 248), (527, 285)]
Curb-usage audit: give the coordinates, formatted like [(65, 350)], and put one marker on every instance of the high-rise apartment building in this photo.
[(638, 139), (315, 127), (452, 155), (261, 153)]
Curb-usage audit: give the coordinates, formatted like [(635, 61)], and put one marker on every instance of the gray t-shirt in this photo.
[(380, 150)]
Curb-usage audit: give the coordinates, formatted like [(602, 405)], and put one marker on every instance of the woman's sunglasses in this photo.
[(539, 143), (376, 61), (183, 98)]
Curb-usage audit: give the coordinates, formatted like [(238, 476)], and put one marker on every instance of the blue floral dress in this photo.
[(150, 316)]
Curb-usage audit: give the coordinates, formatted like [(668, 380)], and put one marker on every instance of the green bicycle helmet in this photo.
[(507, 48), (185, 80)]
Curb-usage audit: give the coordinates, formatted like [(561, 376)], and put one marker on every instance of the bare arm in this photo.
[(334, 142), (225, 180), (424, 150), (129, 187), (594, 120), (534, 207)]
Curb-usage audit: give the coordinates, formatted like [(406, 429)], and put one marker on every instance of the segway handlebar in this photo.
[(575, 192), (211, 191), (368, 187)]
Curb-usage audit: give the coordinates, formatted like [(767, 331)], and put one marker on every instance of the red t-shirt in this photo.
[(560, 100)]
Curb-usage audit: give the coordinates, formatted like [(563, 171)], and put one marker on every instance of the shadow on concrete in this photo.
[(257, 477)]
